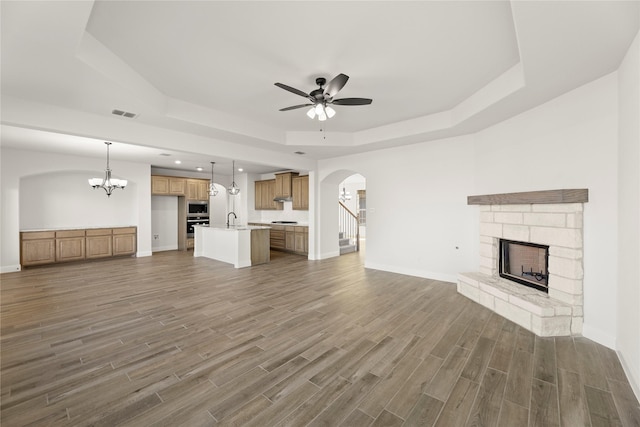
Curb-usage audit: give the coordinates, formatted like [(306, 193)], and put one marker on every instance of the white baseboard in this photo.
[(143, 254), (453, 278), (327, 255), (10, 268), (632, 376), (165, 248)]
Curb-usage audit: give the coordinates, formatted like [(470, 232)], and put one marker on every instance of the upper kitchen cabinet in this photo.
[(168, 186), (300, 190), (198, 189), (265, 192), (283, 184)]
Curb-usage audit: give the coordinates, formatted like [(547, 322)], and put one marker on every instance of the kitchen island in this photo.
[(242, 246)]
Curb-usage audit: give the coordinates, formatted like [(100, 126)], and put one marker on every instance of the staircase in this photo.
[(349, 230), (345, 244)]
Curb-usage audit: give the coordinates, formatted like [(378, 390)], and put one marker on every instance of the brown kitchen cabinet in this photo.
[(70, 245), (301, 240), (300, 190), (289, 238), (265, 191), (124, 241), (283, 184), (277, 237), (99, 243), (168, 186), (56, 246), (198, 189), (37, 247)]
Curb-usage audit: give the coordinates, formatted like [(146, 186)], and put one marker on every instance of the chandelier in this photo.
[(234, 189), (109, 184), (345, 195), (213, 191)]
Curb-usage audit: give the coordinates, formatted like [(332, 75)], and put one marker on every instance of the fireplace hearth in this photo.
[(532, 239), (524, 263)]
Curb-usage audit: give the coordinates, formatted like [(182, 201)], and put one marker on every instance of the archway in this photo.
[(328, 238)]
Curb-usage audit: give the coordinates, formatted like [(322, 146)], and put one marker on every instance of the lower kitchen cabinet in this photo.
[(54, 246), (70, 245), (277, 237), (124, 241), (290, 238), (301, 239), (38, 247), (99, 243)]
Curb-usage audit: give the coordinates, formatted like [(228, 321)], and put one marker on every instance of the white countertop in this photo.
[(91, 227), (233, 227)]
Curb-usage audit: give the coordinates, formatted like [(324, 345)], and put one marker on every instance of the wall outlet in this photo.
[(156, 236)]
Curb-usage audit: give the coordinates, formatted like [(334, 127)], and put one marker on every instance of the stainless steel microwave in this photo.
[(197, 207)]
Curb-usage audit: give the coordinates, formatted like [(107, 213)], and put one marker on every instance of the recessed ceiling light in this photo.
[(177, 162), (240, 169), (199, 169)]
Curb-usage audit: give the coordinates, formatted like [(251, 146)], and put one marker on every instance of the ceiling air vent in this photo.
[(124, 114)]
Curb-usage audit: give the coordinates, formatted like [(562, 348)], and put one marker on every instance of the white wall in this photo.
[(25, 166), (417, 210), (417, 219), (164, 223), (569, 142), (65, 200), (628, 312)]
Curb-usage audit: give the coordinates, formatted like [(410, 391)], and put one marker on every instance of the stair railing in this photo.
[(348, 224)]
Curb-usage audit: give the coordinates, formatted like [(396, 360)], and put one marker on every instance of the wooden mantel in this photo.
[(579, 195)]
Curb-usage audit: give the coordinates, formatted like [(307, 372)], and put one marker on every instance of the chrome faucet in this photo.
[(234, 217)]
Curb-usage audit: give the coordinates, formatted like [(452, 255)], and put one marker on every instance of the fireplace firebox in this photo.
[(525, 263)]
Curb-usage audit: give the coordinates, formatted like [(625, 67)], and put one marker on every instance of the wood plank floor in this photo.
[(175, 340)]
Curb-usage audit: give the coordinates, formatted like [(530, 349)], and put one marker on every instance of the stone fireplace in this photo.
[(540, 233)]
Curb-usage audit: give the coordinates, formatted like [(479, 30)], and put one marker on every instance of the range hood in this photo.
[(283, 199)]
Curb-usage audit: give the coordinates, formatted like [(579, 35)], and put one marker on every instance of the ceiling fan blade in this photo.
[(352, 101), (292, 90), (335, 85), (295, 107)]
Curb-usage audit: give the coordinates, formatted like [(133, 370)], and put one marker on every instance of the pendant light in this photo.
[(213, 191), (107, 183), (234, 190)]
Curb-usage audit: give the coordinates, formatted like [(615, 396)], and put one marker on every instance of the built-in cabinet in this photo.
[(38, 247), (185, 189), (288, 238), (265, 191), (168, 186), (198, 189), (48, 247), (285, 185), (70, 245), (191, 188), (300, 190), (99, 243)]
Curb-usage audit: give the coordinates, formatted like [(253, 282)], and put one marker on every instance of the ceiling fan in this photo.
[(320, 99)]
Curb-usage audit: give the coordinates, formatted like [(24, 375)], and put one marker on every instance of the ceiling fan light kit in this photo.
[(321, 98)]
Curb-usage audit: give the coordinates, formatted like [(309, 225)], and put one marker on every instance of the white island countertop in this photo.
[(234, 244)]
